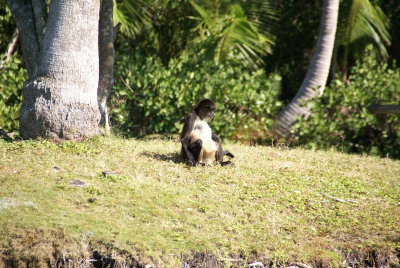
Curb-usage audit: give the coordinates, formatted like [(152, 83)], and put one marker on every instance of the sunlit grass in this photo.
[(275, 204)]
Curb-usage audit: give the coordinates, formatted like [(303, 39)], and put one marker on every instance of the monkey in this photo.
[(199, 144)]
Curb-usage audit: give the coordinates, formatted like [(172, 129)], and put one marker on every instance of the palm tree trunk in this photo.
[(60, 101), (314, 83)]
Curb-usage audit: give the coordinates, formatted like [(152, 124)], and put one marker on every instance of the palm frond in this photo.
[(132, 14), (261, 14), (226, 42), (364, 23), (239, 39), (205, 16)]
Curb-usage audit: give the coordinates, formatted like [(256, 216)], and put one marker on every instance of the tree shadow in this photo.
[(171, 157)]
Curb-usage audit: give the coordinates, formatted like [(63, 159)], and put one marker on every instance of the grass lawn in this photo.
[(275, 206)]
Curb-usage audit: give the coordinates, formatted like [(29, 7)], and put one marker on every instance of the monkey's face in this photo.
[(210, 112), (206, 109)]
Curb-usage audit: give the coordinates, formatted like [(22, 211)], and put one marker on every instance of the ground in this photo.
[(126, 201)]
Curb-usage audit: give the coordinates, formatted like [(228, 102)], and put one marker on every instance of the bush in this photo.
[(153, 98), (341, 118), (12, 78)]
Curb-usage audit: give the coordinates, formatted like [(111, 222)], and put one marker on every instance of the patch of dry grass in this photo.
[(276, 205)]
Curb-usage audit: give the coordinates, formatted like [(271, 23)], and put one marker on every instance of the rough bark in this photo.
[(61, 101), (22, 12), (40, 14), (314, 83), (106, 58)]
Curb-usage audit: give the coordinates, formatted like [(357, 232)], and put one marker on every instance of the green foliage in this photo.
[(362, 23), (12, 77), (237, 37), (159, 27), (341, 118), (133, 15), (6, 26), (12, 74), (157, 98)]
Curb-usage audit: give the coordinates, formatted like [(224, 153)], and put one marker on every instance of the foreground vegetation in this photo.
[(276, 206)]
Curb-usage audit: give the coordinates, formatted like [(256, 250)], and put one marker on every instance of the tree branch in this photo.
[(106, 59), (339, 199), (117, 28), (384, 109), (10, 49), (22, 12)]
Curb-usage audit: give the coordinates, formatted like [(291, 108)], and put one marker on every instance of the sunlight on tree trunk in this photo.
[(60, 102), (314, 83)]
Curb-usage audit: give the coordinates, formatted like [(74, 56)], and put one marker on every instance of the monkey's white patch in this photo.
[(202, 131)]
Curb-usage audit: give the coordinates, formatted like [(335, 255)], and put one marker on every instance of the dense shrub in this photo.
[(341, 118), (156, 98), (12, 77)]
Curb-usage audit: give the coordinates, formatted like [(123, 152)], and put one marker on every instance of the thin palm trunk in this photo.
[(106, 58), (314, 83)]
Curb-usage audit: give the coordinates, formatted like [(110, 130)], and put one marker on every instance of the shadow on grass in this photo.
[(171, 157), (8, 137)]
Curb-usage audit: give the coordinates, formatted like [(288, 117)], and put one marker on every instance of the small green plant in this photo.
[(93, 190), (78, 148), (114, 177)]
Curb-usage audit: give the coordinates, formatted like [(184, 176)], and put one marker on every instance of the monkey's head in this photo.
[(205, 109)]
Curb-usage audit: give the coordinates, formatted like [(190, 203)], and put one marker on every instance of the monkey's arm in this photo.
[(185, 139)]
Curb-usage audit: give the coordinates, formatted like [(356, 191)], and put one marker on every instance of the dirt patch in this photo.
[(39, 249)]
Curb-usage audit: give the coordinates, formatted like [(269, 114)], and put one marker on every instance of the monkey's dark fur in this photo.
[(199, 145)]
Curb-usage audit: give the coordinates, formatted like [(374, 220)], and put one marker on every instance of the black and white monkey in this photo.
[(199, 144)]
